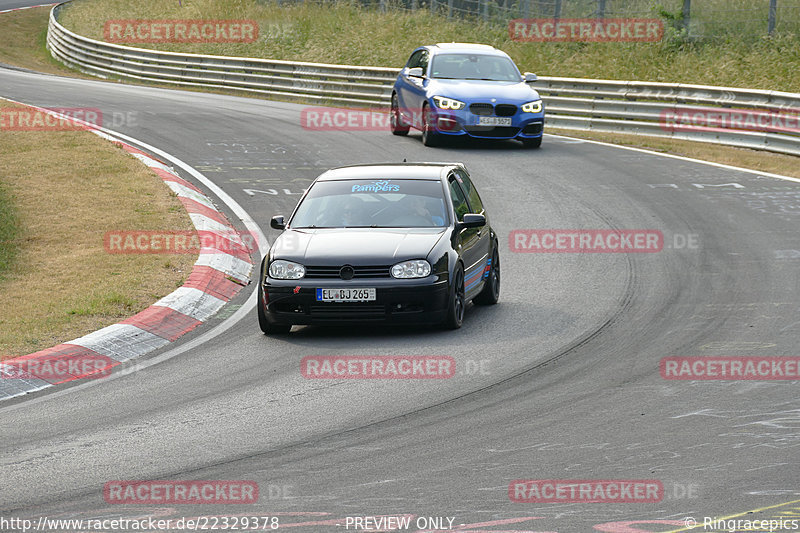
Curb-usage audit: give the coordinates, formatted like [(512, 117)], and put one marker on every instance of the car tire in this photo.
[(429, 136), (491, 289), (266, 326), (458, 302), (532, 143), (395, 122)]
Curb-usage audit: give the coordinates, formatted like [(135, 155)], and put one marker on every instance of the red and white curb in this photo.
[(26, 7), (219, 273)]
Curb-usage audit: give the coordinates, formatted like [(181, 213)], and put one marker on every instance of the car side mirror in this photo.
[(277, 222), (415, 72), (530, 77), (472, 220)]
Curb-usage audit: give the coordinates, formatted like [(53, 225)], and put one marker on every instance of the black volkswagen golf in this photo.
[(385, 243)]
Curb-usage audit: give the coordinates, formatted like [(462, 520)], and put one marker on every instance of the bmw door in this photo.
[(411, 89)]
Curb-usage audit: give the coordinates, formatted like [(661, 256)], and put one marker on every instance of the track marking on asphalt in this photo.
[(753, 511), (682, 158), (241, 313), (272, 192)]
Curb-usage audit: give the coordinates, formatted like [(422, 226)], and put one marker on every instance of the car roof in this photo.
[(466, 46), (446, 48), (417, 170)]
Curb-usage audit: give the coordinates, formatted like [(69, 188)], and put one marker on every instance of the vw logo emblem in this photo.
[(347, 272)]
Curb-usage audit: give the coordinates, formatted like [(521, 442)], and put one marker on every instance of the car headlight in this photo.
[(532, 107), (280, 269), (448, 103), (411, 269)]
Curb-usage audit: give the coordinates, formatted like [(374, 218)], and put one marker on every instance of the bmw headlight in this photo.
[(418, 268), (280, 269), (532, 107), (447, 103)]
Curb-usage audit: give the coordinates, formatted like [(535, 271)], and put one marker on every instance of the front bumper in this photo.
[(397, 301), (463, 122)]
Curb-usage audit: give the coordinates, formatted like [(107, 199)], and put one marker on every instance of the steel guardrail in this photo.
[(608, 106)]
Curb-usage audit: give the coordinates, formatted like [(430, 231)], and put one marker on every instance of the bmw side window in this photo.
[(423, 61), (459, 200), (472, 194), (413, 61)]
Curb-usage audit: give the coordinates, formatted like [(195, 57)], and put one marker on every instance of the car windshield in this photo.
[(375, 203), (474, 67)]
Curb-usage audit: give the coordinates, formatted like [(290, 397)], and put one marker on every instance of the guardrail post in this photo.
[(686, 13), (773, 13)]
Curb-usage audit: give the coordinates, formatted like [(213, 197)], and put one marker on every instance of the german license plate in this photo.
[(494, 121), (345, 295)]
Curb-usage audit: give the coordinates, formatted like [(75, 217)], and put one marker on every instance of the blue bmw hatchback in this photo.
[(458, 89)]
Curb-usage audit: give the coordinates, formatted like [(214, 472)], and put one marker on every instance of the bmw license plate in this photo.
[(494, 121), (346, 295)]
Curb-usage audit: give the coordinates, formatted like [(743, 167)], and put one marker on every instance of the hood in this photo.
[(473, 90), (355, 246)]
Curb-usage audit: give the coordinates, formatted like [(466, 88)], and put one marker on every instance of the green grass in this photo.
[(727, 47), (60, 192), (9, 232), (109, 302)]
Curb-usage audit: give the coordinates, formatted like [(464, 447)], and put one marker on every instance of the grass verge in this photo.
[(347, 33), (23, 35), (9, 231), (68, 188)]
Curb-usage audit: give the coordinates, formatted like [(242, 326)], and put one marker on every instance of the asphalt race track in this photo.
[(560, 381), (14, 4)]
